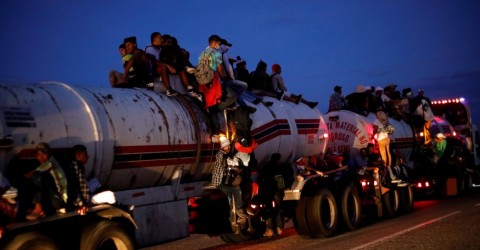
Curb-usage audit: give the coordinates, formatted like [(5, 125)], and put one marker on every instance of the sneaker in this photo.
[(150, 86), (299, 98), (241, 214), (35, 215), (61, 211), (280, 95), (312, 104), (257, 101), (396, 181), (171, 92), (251, 110), (279, 231), (194, 94), (268, 104), (268, 233), (402, 184)]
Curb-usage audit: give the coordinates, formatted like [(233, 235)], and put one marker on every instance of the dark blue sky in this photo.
[(430, 44)]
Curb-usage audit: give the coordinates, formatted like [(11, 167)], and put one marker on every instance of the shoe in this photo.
[(35, 215), (251, 110), (268, 233), (396, 181), (150, 86), (61, 211), (299, 98), (194, 94), (279, 231), (171, 92), (312, 104), (257, 101), (268, 104), (241, 214), (280, 95), (402, 184)]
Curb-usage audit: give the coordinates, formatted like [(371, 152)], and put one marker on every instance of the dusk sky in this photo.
[(431, 44)]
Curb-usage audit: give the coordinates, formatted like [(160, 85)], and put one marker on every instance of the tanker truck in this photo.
[(340, 198), (155, 152)]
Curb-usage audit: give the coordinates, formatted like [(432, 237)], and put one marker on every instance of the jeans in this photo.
[(235, 192), (238, 87)]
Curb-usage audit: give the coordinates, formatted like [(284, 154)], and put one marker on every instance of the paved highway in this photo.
[(450, 223)]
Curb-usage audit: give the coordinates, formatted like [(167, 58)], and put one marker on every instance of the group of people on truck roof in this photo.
[(50, 188), (214, 81), (398, 105)]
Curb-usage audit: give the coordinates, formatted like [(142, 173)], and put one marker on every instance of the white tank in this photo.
[(137, 138), (350, 132)]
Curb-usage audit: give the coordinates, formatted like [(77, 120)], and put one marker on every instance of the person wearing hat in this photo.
[(381, 129), (337, 101), (51, 185), (220, 171), (439, 146)]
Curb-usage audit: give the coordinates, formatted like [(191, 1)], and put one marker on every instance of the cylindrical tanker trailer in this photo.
[(154, 151), (350, 132)]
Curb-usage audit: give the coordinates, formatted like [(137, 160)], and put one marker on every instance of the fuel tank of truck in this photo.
[(137, 138)]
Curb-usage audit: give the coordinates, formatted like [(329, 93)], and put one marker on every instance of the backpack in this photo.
[(203, 73)]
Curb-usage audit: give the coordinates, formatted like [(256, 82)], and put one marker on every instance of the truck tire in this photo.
[(407, 199), (105, 235), (351, 207), (322, 214), (31, 240), (391, 202), (300, 220)]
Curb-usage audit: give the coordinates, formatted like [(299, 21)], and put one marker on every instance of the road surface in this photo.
[(450, 223)]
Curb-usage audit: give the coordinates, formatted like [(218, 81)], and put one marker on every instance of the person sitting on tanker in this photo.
[(241, 73), (302, 168), (219, 174), (260, 83), (77, 182), (217, 97), (172, 61), (278, 85), (237, 86), (358, 101), (140, 76), (116, 78), (50, 179), (272, 185), (337, 101)]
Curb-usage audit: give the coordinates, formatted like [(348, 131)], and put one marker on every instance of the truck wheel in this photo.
[(351, 207), (407, 199), (105, 235), (322, 214), (31, 240), (300, 220), (391, 202)]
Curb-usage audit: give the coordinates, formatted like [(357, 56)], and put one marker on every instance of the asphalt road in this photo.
[(450, 223)]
